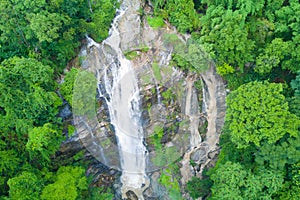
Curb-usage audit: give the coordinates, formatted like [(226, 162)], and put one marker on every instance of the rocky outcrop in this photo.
[(214, 107), (170, 108)]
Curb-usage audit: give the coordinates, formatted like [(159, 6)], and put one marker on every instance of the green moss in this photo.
[(71, 130), (156, 71), (78, 156), (169, 180), (144, 49), (166, 70), (147, 79), (155, 22), (105, 143), (131, 55)]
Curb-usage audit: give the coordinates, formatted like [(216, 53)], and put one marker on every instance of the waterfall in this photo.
[(118, 86)]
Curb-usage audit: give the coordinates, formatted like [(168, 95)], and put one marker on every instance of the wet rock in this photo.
[(131, 195), (65, 112), (71, 146), (199, 156), (155, 190)]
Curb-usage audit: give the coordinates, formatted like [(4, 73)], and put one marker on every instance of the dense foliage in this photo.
[(255, 45), (50, 30), (37, 39)]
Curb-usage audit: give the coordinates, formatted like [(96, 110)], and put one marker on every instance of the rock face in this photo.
[(169, 107)]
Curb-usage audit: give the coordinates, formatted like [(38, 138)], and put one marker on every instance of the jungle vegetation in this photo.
[(255, 46)]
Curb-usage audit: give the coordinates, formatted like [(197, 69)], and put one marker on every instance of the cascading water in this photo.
[(118, 86)]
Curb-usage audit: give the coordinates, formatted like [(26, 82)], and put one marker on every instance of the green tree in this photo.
[(199, 187), (67, 87), (9, 165), (287, 27), (258, 112), (101, 17), (277, 157), (273, 54), (28, 98), (291, 189), (43, 142), (295, 84), (46, 26), (26, 186), (225, 36), (180, 13), (294, 101), (69, 183), (183, 15), (232, 181), (246, 6), (227, 181)]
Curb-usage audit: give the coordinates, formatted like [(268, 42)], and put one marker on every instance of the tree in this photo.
[(70, 181), (294, 101), (228, 180), (101, 17), (273, 55), (28, 98), (231, 181), (9, 165), (9, 160), (277, 157), (43, 142), (258, 112), (46, 26), (180, 13), (246, 6), (183, 15), (199, 187), (287, 27), (225, 36), (26, 186), (295, 84), (67, 87)]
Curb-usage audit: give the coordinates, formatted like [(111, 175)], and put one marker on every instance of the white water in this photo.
[(119, 88)]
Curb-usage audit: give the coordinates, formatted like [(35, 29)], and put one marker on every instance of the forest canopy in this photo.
[(37, 39), (255, 45)]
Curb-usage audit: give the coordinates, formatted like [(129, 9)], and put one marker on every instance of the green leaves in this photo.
[(9, 162), (278, 156), (258, 112), (232, 181), (199, 187), (25, 85), (180, 13), (66, 88), (273, 54), (225, 36), (26, 186), (70, 181), (51, 29), (43, 141), (46, 26)]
